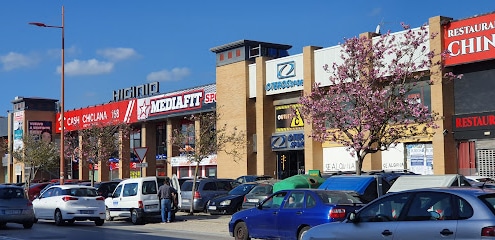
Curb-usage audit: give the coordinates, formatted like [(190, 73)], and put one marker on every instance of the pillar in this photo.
[(148, 139)]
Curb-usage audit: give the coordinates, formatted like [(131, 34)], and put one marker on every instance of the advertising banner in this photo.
[(41, 129), (18, 130)]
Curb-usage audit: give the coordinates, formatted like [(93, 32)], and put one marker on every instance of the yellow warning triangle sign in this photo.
[(297, 120)]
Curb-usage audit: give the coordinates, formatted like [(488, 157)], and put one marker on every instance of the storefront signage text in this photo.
[(293, 141), (475, 121), (190, 100), (136, 91), (106, 114), (470, 40)]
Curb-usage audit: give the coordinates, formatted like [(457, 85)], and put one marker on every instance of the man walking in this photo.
[(166, 194)]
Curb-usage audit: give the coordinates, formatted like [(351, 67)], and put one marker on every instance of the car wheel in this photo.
[(28, 225), (72, 221), (241, 231), (107, 215), (59, 221), (303, 230), (135, 219), (99, 222)]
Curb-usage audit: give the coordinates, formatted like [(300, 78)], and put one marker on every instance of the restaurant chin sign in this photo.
[(470, 40)]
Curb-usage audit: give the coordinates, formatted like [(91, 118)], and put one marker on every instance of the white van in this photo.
[(135, 198), (408, 182)]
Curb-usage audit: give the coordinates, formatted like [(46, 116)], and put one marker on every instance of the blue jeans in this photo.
[(166, 205)]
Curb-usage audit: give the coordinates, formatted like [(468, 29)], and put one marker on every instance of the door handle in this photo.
[(386, 233), (298, 212), (275, 213), (446, 232)]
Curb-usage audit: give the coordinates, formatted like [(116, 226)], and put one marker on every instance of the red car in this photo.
[(35, 189)]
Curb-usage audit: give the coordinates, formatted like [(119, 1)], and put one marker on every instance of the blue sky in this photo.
[(110, 45)]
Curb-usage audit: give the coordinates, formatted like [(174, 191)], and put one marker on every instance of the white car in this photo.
[(70, 203)]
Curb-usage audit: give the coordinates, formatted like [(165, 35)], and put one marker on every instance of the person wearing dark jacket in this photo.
[(166, 194)]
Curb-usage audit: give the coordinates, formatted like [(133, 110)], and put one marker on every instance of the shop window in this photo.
[(184, 172), (161, 140), (211, 171), (188, 131)]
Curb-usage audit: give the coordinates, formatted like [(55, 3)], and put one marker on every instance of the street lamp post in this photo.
[(62, 122)]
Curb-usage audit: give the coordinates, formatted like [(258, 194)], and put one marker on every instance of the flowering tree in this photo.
[(99, 143), (36, 154), (368, 106), (4, 146), (199, 144)]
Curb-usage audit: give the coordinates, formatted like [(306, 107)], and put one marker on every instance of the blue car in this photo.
[(287, 214)]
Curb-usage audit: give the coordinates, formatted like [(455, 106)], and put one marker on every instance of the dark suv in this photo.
[(206, 189), (105, 188)]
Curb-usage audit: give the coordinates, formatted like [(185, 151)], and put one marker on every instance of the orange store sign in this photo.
[(470, 40)]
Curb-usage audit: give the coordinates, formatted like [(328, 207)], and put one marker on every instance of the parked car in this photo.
[(408, 182), (251, 178), (206, 189), (232, 201), (70, 203), (258, 193), (15, 207), (365, 187), (428, 213), (35, 189), (107, 187), (278, 218)]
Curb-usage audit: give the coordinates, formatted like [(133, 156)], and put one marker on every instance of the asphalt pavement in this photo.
[(198, 222)]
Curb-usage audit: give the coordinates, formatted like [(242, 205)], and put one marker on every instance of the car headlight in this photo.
[(225, 203)]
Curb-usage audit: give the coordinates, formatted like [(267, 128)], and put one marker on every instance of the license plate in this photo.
[(148, 207), (212, 207), (185, 200), (12, 212), (253, 200), (87, 211)]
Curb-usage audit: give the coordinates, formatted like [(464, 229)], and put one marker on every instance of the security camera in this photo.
[(445, 131)]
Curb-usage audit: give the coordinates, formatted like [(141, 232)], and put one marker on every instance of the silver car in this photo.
[(429, 213), (15, 207)]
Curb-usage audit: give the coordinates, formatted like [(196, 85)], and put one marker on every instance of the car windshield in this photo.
[(262, 190), (80, 192), (8, 193), (241, 189), (337, 197)]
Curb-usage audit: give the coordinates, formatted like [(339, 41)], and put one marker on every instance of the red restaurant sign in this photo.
[(480, 121), (470, 40), (121, 112)]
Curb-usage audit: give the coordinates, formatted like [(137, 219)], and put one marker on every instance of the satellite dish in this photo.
[(377, 30)]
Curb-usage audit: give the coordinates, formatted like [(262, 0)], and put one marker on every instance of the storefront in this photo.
[(471, 43)]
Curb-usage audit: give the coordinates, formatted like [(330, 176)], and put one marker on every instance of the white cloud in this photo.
[(169, 75), (88, 67), (16, 60), (117, 54)]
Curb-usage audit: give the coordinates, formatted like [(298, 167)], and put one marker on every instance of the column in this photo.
[(148, 139), (124, 155)]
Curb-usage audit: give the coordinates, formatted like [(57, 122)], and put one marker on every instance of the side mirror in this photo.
[(110, 195), (258, 206), (352, 217)]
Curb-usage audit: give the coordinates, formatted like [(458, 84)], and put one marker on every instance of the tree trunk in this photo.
[(359, 164), (191, 209)]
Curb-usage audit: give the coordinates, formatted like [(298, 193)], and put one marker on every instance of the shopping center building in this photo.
[(257, 86)]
